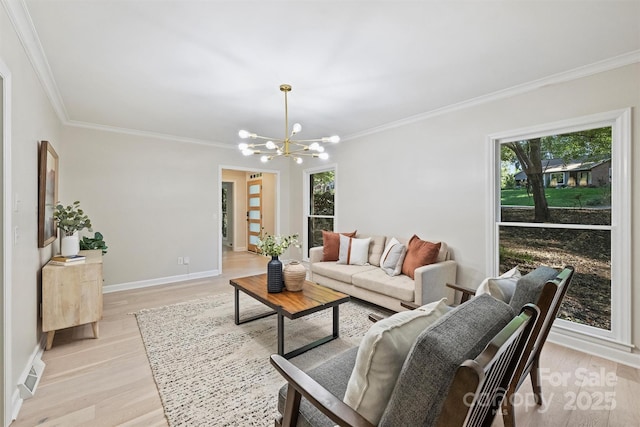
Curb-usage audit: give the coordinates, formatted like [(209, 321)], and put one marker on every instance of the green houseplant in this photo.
[(70, 219), (95, 242)]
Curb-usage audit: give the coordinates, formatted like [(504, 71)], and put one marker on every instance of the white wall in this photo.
[(429, 177), (154, 200), (32, 120)]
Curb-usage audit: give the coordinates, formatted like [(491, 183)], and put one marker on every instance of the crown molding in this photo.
[(576, 73), (22, 23), (21, 20), (148, 134)]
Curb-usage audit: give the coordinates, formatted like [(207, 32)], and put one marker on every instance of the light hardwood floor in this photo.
[(108, 381)]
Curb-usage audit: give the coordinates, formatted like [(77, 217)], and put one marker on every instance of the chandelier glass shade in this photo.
[(287, 146)]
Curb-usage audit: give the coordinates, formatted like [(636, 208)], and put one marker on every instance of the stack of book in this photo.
[(67, 260)]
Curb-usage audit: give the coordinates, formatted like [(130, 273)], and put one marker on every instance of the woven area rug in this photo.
[(211, 372)]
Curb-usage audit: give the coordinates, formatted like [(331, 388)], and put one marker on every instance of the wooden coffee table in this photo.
[(293, 305)]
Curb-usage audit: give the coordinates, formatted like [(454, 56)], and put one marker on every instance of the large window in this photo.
[(320, 195), (562, 197)]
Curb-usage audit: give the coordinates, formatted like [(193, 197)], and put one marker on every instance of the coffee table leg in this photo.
[(236, 303), (236, 311), (280, 334), (336, 321)]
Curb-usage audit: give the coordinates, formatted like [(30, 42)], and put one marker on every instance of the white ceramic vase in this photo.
[(70, 244)]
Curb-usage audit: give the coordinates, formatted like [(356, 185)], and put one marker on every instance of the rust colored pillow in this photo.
[(419, 253), (331, 244)]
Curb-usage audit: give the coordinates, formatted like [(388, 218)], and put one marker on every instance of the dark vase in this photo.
[(275, 281)]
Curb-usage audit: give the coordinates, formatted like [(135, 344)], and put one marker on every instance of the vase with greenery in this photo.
[(274, 246), (70, 219)]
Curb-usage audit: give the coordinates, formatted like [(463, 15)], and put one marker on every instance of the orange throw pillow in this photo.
[(331, 244), (419, 253)]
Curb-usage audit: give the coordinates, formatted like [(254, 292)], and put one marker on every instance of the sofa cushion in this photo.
[(393, 257), (375, 249), (331, 244), (353, 251), (501, 287), (529, 287), (343, 273), (427, 373), (375, 279), (381, 355), (419, 253)]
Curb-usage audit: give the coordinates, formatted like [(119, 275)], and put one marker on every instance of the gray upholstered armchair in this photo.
[(437, 382)]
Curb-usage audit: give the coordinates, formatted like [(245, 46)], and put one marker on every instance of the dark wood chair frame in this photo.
[(485, 377), (549, 302)]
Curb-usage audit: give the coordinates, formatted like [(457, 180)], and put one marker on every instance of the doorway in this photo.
[(228, 218), (239, 216)]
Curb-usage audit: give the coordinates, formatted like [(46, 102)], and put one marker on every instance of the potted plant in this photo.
[(95, 242), (274, 246), (70, 220)]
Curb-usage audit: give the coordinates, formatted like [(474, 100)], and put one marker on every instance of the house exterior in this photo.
[(574, 173)]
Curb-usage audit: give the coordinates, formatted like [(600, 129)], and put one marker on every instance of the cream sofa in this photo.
[(372, 284)]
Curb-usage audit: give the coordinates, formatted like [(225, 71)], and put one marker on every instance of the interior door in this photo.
[(254, 213)]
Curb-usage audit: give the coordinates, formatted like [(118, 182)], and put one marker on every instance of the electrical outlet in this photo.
[(186, 260), (180, 260)]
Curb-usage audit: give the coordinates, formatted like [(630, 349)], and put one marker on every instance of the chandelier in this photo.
[(287, 147)]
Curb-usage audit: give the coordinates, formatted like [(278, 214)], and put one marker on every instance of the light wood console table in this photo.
[(72, 295)]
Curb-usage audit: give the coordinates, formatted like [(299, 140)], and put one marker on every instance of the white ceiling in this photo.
[(202, 70)]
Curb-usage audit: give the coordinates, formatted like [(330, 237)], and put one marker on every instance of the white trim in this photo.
[(306, 174), (16, 399), (7, 243), (219, 212), (22, 23), (584, 71), (621, 319), (148, 134), (159, 281), (619, 337), (594, 347)]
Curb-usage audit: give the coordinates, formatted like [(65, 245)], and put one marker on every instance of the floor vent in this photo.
[(28, 386)]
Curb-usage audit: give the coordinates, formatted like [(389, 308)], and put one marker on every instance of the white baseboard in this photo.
[(622, 356), (36, 354), (159, 281)]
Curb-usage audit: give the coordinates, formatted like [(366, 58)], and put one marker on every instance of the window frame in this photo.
[(619, 337), (306, 202)]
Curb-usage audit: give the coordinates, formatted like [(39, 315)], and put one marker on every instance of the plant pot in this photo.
[(294, 276), (274, 275), (69, 244)]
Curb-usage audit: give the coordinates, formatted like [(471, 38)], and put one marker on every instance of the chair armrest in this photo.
[(466, 292), (430, 282), (315, 254), (301, 384)]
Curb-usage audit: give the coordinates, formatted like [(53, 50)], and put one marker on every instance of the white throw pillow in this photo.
[(354, 251), (393, 257), (501, 287), (387, 248), (381, 355)]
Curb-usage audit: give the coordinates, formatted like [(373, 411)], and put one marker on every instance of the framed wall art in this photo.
[(47, 193)]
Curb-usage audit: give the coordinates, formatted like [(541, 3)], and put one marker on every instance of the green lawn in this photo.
[(560, 197)]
